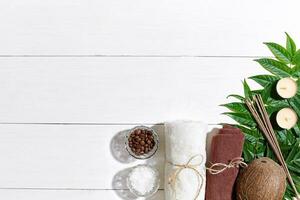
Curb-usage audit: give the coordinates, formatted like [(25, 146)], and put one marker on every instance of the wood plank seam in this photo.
[(90, 124), (64, 189), (130, 56)]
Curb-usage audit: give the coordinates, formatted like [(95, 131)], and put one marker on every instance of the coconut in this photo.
[(263, 179)]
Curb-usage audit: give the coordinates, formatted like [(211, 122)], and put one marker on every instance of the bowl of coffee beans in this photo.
[(142, 142)]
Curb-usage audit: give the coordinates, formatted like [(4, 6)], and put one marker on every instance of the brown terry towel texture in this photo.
[(225, 146)]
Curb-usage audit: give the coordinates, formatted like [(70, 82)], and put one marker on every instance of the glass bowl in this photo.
[(151, 152), (137, 177)]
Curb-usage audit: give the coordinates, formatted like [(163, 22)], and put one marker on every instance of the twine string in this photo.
[(218, 168)]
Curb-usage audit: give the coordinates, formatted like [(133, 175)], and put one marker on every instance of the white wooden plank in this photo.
[(118, 90), (70, 195), (61, 157), (114, 27)]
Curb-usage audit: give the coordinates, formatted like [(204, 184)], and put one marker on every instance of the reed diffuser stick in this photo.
[(259, 112), (273, 136)]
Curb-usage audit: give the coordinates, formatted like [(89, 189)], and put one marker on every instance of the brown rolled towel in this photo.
[(225, 146)]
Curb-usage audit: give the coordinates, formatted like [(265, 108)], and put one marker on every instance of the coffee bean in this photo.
[(141, 141)]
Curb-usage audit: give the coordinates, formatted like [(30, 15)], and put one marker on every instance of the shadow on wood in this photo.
[(119, 183), (118, 150)]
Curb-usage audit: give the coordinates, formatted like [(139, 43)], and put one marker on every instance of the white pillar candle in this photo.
[(286, 87), (286, 118)]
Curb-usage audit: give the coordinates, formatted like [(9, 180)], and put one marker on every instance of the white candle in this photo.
[(286, 118), (286, 88)]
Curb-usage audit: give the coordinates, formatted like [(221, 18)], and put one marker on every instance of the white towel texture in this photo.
[(185, 140)]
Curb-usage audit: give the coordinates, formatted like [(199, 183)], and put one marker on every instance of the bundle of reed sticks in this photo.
[(258, 111)]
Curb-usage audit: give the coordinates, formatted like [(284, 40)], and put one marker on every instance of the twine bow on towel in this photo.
[(218, 168), (180, 167)]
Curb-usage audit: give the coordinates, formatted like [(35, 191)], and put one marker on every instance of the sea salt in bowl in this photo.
[(143, 181)]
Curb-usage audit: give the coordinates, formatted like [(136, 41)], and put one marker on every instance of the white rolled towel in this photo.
[(185, 141)]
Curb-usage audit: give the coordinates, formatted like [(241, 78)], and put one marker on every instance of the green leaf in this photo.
[(249, 152), (281, 136), (252, 135), (260, 149), (275, 105), (280, 52), (292, 154), (251, 138), (242, 118), (295, 104), (267, 93), (275, 67), (269, 152), (297, 163), (286, 139), (264, 80), (236, 96), (236, 107), (296, 71), (247, 90), (296, 129), (288, 195), (290, 44), (293, 158), (296, 58)]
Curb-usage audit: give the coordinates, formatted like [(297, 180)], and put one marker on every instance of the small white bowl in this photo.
[(155, 186), (150, 153)]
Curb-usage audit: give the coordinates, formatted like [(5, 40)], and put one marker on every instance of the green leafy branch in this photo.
[(286, 63)]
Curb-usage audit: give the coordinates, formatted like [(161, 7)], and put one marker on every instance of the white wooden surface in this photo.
[(141, 27), (70, 195), (118, 90), (76, 74)]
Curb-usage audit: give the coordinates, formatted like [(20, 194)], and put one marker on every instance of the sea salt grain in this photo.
[(143, 180)]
